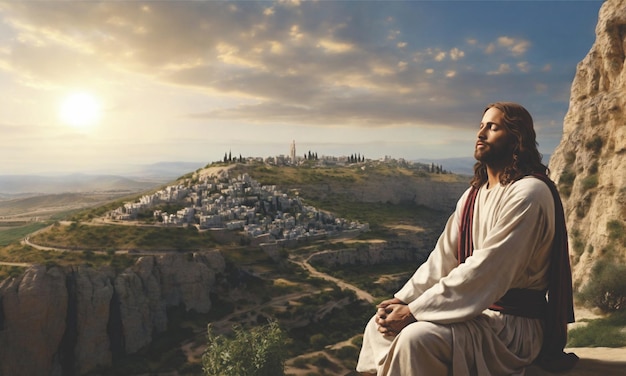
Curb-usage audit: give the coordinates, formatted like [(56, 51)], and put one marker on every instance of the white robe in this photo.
[(456, 334)]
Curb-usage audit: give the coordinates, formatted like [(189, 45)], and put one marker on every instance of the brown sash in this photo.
[(558, 311)]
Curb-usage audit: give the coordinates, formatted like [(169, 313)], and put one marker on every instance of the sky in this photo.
[(102, 86)]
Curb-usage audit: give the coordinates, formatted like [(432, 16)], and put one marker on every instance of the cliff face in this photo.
[(439, 195), (370, 254), (67, 321), (589, 165)]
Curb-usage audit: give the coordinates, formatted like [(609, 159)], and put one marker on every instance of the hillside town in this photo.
[(211, 202), (216, 201)]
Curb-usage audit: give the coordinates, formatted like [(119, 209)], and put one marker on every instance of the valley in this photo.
[(321, 290), (255, 285)]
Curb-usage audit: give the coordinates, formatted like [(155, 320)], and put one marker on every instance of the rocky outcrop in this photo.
[(34, 309), (68, 321), (368, 254), (589, 165)]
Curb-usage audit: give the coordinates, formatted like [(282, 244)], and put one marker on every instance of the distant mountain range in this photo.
[(162, 171), (138, 179), (142, 177)]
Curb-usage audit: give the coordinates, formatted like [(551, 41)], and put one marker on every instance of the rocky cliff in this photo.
[(370, 254), (68, 321), (589, 165)]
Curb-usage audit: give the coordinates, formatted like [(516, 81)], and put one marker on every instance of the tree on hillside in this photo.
[(259, 351)]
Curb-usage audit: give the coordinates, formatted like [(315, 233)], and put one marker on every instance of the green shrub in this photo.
[(606, 288), (301, 363), (255, 352), (578, 246), (566, 180), (595, 144), (318, 341), (567, 177), (321, 361), (347, 352), (10, 271), (616, 231), (589, 182), (583, 205)]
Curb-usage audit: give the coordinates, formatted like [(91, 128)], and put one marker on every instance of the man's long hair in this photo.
[(525, 158)]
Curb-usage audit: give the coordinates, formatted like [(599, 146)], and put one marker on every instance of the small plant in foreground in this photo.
[(255, 352), (605, 332)]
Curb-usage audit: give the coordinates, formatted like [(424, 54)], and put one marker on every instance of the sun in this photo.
[(80, 110)]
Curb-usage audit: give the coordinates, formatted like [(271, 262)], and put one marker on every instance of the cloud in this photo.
[(333, 46), (515, 46), (502, 69), (523, 66), (291, 62), (456, 54)]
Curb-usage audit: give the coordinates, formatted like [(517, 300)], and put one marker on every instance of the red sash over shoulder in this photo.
[(558, 311)]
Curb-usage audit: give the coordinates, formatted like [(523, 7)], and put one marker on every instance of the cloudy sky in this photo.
[(102, 86)]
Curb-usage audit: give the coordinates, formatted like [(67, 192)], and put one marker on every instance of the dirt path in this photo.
[(22, 264), (593, 361), (361, 294)]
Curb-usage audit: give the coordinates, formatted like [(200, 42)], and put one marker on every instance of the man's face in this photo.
[(494, 143)]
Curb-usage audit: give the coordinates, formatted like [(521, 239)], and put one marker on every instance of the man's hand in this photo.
[(392, 316)]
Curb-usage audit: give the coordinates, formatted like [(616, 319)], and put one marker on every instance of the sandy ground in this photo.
[(594, 361)]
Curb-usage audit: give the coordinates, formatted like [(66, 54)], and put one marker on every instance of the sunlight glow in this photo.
[(80, 110)]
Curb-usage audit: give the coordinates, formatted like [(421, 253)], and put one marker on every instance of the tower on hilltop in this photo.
[(292, 152)]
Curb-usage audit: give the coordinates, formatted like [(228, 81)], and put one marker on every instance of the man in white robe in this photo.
[(440, 322)]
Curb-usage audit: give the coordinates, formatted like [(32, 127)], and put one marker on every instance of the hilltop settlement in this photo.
[(212, 200)]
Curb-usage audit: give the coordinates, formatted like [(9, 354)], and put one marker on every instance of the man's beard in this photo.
[(493, 155)]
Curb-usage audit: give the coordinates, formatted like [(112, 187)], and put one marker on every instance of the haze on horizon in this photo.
[(98, 86)]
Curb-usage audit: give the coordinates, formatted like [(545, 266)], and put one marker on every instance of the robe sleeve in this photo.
[(522, 226), (441, 260)]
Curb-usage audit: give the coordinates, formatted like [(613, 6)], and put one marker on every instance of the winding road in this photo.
[(361, 294)]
